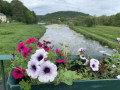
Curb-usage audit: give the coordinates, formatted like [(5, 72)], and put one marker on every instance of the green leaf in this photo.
[(69, 76), (25, 85), (50, 53)]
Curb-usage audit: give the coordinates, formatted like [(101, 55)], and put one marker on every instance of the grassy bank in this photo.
[(106, 35), (11, 34)]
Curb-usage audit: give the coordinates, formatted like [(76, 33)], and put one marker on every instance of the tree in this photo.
[(5, 8), (103, 20)]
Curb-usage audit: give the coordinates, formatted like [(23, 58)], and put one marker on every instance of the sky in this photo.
[(92, 7)]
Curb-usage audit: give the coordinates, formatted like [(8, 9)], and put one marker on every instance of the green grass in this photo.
[(12, 34), (106, 35)]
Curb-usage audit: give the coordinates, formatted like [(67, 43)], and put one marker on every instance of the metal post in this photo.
[(3, 77)]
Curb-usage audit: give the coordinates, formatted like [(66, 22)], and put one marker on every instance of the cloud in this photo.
[(92, 7)]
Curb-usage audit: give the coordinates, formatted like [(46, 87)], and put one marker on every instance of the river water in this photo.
[(57, 33)]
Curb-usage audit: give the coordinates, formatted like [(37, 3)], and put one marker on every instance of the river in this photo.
[(57, 33)]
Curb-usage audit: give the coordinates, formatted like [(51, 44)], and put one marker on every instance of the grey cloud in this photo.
[(92, 7)]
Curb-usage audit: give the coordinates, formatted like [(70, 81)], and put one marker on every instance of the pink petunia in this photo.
[(60, 61), (57, 51), (46, 48), (18, 73), (48, 42), (40, 44), (25, 53), (30, 40), (21, 46)]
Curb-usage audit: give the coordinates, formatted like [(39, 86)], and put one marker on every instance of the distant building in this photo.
[(3, 17)]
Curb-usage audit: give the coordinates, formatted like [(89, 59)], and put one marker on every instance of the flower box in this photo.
[(99, 84)]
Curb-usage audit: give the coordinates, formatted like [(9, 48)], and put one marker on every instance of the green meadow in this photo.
[(12, 34), (106, 35)]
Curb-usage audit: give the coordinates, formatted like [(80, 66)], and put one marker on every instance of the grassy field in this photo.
[(106, 35), (11, 34)]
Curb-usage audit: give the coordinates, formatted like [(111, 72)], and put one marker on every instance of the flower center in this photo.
[(34, 67), (47, 70), (22, 47), (45, 46), (40, 57), (93, 65), (25, 53), (18, 71)]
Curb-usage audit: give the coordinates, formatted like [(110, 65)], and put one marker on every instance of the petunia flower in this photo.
[(118, 40), (21, 46), (60, 61), (57, 51), (94, 64), (46, 48), (82, 57), (118, 77), (39, 56), (30, 40), (18, 73), (114, 66), (25, 53), (33, 69), (81, 49), (48, 42), (40, 44), (48, 72)]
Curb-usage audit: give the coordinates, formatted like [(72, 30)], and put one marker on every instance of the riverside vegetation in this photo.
[(106, 35), (11, 34)]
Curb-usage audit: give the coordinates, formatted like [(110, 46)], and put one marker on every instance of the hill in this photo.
[(61, 14)]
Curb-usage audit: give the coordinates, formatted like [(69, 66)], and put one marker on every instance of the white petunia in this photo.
[(81, 49), (87, 62), (33, 69), (82, 57), (114, 66), (94, 64), (118, 77), (48, 72), (118, 40), (39, 56)]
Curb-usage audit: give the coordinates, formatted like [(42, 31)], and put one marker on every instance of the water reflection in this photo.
[(62, 33)]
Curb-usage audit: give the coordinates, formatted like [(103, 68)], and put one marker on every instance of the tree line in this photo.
[(113, 20), (80, 19), (16, 11)]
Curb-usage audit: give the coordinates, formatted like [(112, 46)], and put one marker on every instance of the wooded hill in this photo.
[(17, 11), (61, 14)]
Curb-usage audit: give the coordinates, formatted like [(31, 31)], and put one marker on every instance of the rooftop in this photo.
[(1, 14)]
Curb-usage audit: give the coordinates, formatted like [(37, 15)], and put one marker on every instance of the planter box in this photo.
[(100, 84)]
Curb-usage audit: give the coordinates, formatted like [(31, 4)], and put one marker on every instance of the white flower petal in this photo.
[(39, 56), (94, 64), (118, 77), (49, 75)]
